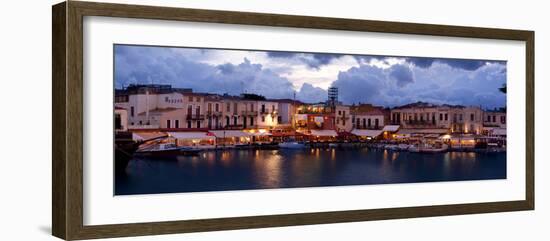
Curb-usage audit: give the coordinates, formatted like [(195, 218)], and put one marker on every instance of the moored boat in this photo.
[(292, 145), (160, 150)]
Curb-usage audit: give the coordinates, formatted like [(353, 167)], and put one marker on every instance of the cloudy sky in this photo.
[(380, 80)]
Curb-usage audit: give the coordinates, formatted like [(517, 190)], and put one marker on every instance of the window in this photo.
[(235, 120), (228, 108), (273, 108), (251, 106), (339, 112), (198, 124), (227, 121), (118, 122), (198, 110), (376, 123), (177, 123), (494, 118), (369, 123), (503, 119), (132, 111), (190, 98), (263, 118), (251, 121), (168, 124), (472, 117), (235, 107), (263, 108), (141, 122), (217, 107), (209, 107), (446, 116), (364, 123), (279, 119)]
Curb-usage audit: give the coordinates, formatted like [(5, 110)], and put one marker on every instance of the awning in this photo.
[(287, 133), (230, 133), (423, 131), (391, 128), (143, 136), (324, 133), (191, 135), (259, 133), (370, 133)]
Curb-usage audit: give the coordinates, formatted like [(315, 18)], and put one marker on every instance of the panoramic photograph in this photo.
[(190, 119)]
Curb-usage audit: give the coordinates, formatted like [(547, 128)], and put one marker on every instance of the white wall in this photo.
[(25, 172)]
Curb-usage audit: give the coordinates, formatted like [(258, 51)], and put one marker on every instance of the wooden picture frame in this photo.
[(67, 77)]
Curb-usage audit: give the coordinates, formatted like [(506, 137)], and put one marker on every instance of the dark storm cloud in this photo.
[(146, 65), (463, 82), (311, 94), (402, 75), (403, 83), (360, 84), (464, 64), (280, 54), (315, 60)]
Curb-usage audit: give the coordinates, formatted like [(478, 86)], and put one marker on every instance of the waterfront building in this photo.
[(121, 119), (314, 116), (214, 112), (138, 100), (343, 118), (421, 115), (268, 113), (495, 118), (287, 109), (468, 120), (366, 116), (167, 118)]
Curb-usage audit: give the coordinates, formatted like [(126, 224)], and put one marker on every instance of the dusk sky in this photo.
[(380, 80)]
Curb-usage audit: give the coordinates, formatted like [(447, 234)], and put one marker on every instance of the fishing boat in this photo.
[(428, 148), (190, 151), (292, 145), (161, 150)]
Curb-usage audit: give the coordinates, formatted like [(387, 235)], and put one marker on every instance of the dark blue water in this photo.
[(261, 169)]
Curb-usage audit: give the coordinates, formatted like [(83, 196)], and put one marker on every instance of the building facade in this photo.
[(458, 119)]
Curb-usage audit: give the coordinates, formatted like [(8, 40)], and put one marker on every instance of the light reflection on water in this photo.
[(257, 169)]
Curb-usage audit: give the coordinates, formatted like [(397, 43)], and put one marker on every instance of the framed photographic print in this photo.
[(171, 120)]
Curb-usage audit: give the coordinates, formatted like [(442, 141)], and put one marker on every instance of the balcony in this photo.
[(213, 113), (195, 117), (249, 113)]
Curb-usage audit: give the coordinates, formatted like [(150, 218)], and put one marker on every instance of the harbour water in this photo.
[(224, 170)]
